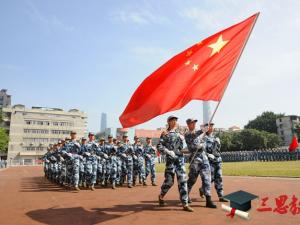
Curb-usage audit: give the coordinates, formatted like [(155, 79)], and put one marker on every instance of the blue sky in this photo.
[(92, 55)]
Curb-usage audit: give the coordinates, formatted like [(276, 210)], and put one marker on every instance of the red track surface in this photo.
[(26, 197)]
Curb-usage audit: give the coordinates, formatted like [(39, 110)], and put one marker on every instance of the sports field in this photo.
[(27, 198), (269, 169)]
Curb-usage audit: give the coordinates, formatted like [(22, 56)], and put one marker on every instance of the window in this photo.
[(36, 131), (60, 132)]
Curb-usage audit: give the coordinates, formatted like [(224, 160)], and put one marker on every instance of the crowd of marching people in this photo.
[(114, 163), (83, 165), (264, 155)]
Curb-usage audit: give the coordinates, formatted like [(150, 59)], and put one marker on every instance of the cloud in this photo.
[(143, 17), (48, 22)]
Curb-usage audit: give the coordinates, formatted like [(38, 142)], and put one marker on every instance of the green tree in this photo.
[(225, 138), (237, 143), (253, 139), (273, 140), (265, 122), (3, 140)]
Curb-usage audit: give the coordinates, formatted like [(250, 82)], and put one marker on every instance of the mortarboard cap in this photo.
[(240, 200)]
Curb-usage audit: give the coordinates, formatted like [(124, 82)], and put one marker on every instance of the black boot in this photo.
[(209, 203), (201, 193)]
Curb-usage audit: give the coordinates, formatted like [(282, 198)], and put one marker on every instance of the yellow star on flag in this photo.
[(188, 62), (217, 46), (190, 52), (195, 67)]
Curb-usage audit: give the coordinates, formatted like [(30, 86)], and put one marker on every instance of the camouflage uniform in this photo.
[(113, 162), (91, 163), (82, 166), (125, 163), (172, 141), (73, 147), (200, 164), (108, 149), (139, 161), (213, 147), (101, 169), (150, 154)]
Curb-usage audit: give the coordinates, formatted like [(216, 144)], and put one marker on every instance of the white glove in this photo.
[(148, 156), (69, 154), (124, 155), (98, 157), (87, 153), (170, 153), (105, 156), (62, 159), (200, 146), (218, 140), (134, 157), (211, 156)]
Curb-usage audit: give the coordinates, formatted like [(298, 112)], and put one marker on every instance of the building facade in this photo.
[(286, 127), (5, 99), (32, 130)]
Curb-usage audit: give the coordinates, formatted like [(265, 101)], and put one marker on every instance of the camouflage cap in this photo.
[(191, 120), (172, 117)]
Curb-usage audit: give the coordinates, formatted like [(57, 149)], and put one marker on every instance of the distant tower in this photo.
[(103, 125), (206, 111)]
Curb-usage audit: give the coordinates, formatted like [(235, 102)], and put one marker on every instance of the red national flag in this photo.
[(200, 72), (294, 144)]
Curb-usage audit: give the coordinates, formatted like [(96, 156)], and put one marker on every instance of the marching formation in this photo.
[(265, 155), (83, 165)]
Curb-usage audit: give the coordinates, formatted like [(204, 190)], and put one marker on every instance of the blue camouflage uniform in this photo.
[(150, 154), (82, 165), (108, 149), (125, 153), (200, 164), (101, 169), (172, 141), (113, 162), (139, 163), (212, 147), (73, 147), (91, 163)]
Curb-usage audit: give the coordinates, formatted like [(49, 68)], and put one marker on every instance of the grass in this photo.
[(270, 169)]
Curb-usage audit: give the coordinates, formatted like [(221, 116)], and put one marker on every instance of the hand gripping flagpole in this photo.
[(233, 69)]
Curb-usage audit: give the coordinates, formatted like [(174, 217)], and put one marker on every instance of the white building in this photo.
[(32, 130), (286, 127)]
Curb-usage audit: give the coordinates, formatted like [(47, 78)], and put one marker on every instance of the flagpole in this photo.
[(234, 67)]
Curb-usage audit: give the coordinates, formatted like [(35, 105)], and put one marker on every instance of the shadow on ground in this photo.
[(79, 215), (39, 184)]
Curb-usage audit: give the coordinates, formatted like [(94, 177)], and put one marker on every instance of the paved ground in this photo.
[(27, 198)]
